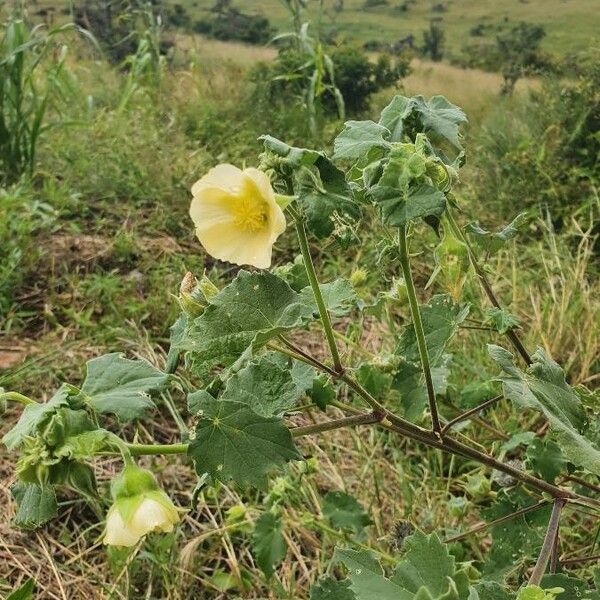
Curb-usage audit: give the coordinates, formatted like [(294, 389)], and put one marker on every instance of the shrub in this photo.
[(545, 159), (515, 53), (433, 41), (232, 24), (354, 75)]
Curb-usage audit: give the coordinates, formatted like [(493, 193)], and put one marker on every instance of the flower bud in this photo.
[(358, 277), (140, 507)]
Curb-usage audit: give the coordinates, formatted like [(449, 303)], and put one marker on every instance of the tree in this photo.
[(433, 40), (519, 50)]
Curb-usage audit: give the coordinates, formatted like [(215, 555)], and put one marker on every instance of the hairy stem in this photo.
[(16, 397), (464, 416), (314, 284), (484, 526), (485, 284), (548, 545), (580, 559), (415, 312), (149, 449), (362, 419)]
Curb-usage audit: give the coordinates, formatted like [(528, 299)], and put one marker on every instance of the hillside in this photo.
[(571, 25)]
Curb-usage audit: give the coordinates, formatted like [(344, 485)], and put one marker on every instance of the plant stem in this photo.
[(580, 559), (415, 312), (483, 526), (398, 425), (549, 540), (314, 284), (149, 449), (362, 419), (16, 397), (485, 284), (464, 416)]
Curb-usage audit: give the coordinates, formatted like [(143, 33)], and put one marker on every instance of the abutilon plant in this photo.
[(250, 373)]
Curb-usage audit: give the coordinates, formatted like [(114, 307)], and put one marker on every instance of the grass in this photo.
[(570, 25), (98, 241)]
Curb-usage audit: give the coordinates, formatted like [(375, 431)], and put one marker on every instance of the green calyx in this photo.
[(195, 295), (133, 481)]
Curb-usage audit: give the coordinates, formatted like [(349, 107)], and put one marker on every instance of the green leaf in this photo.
[(247, 313), (492, 242), (330, 589), (233, 442), (376, 381), (34, 415), (441, 319), (395, 114), (358, 138), (546, 459), (501, 320), (321, 200), (437, 118), (410, 383), (534, 592), (522, 438), (421, 201), (427, 562), (345, 512), (441, 120), (322, 392), (517, 539), (265, 386), (115, 384), (320, 186), (489, 590), (574, 589), (543, 388), (427, 567), (24, 592), (196, 401), (268, 542), (476, 392), (295, 157), (303, 376), (367, 577), (339, 297), (36, 504), (83, 445)]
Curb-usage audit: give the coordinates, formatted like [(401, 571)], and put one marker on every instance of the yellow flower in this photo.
[(154, 512), (139, 508), (236, 215)]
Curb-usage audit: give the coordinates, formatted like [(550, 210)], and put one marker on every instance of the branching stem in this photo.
[(485, 284), (548, 545), (469, 413), (362, 419), (415, 312), (314, 284), (16, 397), (484, 526)]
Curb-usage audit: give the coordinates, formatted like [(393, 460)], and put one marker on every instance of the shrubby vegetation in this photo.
[(515, 52), (547, 160), (230, 23), (99, 239)]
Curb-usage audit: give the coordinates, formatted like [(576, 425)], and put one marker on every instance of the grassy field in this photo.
[(95, 243), (571, 25)]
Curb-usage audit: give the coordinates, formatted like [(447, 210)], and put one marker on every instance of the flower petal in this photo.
[(117, 534), (149, 516), (224, 176)]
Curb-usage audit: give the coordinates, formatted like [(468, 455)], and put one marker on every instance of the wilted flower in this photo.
[(236, 215), (139, 508)]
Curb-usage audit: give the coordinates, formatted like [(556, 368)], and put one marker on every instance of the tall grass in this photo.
[(27, 87)]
